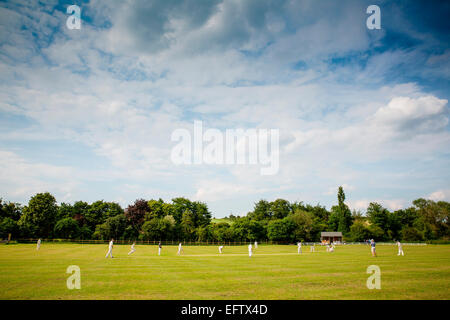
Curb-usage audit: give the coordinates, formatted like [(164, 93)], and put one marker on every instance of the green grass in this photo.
[(274, 272), (221, 220)]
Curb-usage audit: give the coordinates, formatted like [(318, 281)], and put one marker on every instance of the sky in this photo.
[(87, 114)]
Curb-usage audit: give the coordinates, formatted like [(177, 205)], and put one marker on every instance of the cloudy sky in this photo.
[(88, 114)]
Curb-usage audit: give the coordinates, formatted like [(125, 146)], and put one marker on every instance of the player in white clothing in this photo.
[(38, 245), (250, 250), (159, 248), (111, 244), (299, 247), (220, 249), (256, 245), (132, 248), (400, 249), (180, 249), (313, 247)]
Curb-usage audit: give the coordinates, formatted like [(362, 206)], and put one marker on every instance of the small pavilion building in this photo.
[(331, 237)]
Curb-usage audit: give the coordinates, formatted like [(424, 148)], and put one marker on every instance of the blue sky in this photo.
[(88, 114)]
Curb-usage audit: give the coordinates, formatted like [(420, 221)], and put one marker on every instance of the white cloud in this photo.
[(426, 113), (391, 204), (20, 178), (122, 91), (440, 195)]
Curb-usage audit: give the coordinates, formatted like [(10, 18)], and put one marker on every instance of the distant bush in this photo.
[(441, 241)]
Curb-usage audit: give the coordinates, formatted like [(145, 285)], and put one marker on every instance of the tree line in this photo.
[(183, 219)]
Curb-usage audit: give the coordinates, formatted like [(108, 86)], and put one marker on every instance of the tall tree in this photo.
[(379, 216), (39, 216), (188, 224), (304, 224), (280, 208), (113, 227), (261, 211), (80, 209), (433, 218), (155, 209), (180, 205), (344, 213), (136, 212), (99, 211), (67, 228), (9, 215), (202, 214), (10, 210), (281, 230)]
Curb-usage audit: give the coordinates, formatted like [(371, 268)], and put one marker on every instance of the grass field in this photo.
[(226, 220), (274, 272)]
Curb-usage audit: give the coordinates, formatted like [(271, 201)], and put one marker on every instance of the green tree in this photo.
[(304, 224), (80, 209), (155, 209), (113, 227), (65, 210), (222, 232), (376, 232), (204, 233), (345, 215), (261, 211), (67, 228), (378, 215), (8, 226), (85, 232), (179, 206), (359, 231), (281, 230), (433, 218), (202, 214), (411, 234), (39, 216), (321, 214), (100, 211), (188, 225), (406, 217), (157, 229), (9, 215), (280, 209), (10, 210), (245, 229)]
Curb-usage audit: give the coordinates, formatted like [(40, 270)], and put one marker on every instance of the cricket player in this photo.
[(299, 247), (111, 244), (400, 248), (372, 248), (132, 248), (38, 246), (180, 249), (256, 245), (313, 247), (220, 249), (250, 250), (159, 248)]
